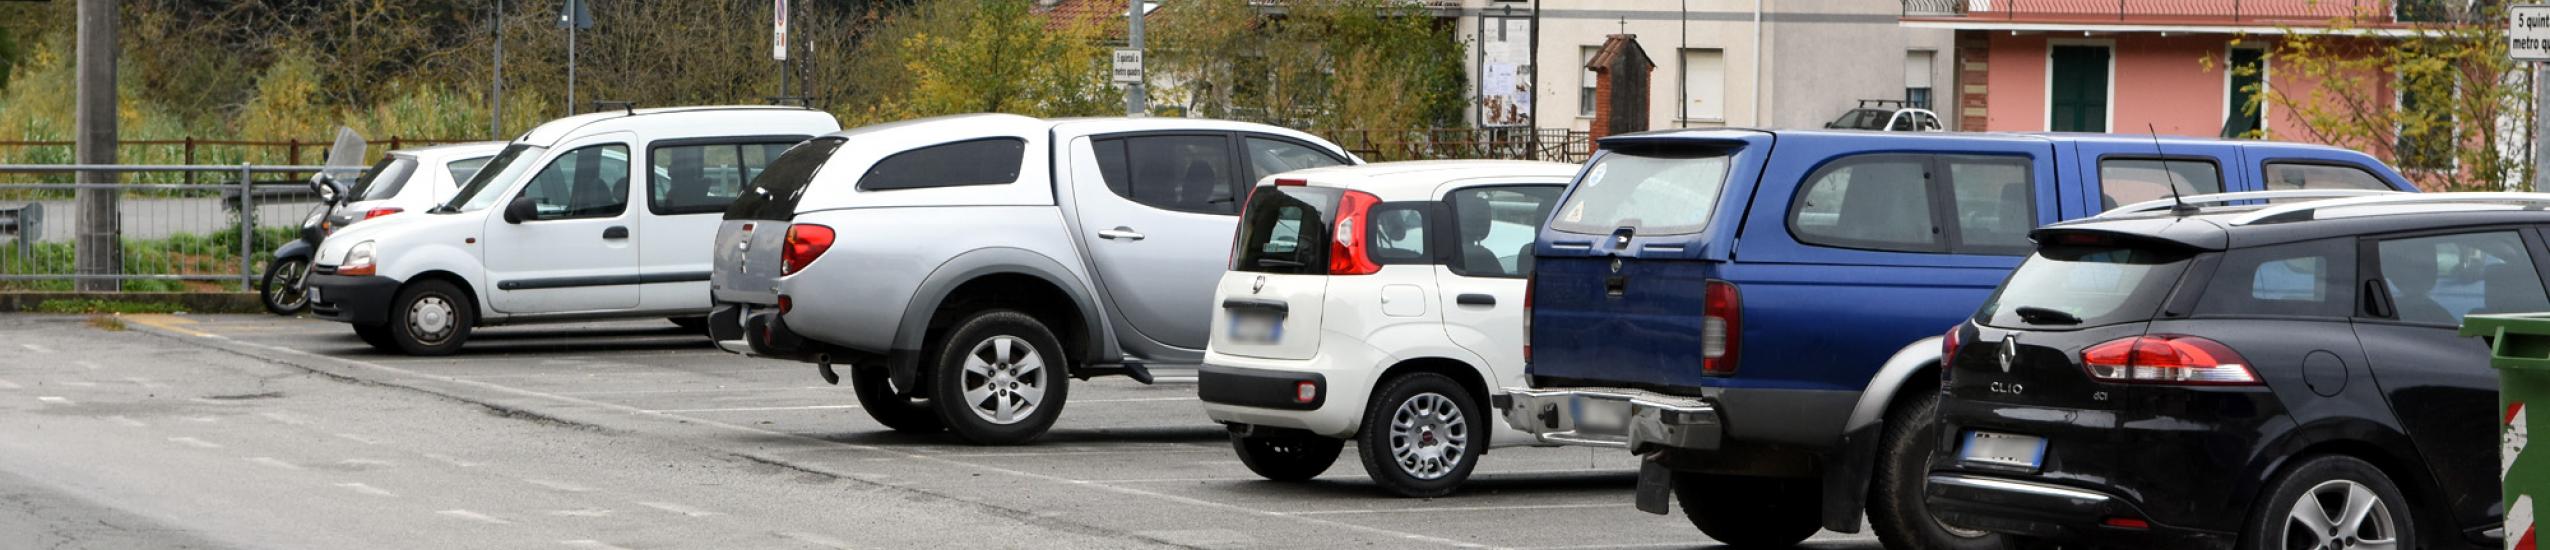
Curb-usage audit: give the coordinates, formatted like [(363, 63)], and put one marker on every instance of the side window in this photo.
[(1267, 157), (2440, 279), (1996, 204), (1397, 234), (991, 161), (2126, 181), (464, 168), (2290, 175), (2308, 279), (703, 178), (588, 182), (1496, 226), (1183, 173), (1877, 202)]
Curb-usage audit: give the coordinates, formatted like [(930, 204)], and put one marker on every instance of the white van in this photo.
[(603, 215)]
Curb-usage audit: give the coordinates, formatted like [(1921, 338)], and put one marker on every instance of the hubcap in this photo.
[(1004, 379), (2339, 515), (430, 320), (1428, 436)]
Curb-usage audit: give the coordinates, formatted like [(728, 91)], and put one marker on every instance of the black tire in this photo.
[(1287, 456), (1750, 512), (431, 317), (280, 291), (875, 388), (693, 324), (1896, 510), (1039, 376), (2270, 524), (378, 336), (1442, 431)]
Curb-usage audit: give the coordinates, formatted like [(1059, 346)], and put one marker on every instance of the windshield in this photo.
[(485, 186), (1653, 192), (2084, 286), (385, 179)]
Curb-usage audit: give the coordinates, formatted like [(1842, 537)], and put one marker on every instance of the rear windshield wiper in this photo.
[(2045, 316)]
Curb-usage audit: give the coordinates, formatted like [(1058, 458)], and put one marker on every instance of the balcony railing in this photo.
[(2176, 12)]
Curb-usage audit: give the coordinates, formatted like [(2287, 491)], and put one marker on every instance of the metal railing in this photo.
[(171, 236), (192, 151), (1515, 143), (2182, 11)]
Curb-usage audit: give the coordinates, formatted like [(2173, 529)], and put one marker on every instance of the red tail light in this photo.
[(1291, 182), (2167, 359), (805, 243), (1348, 254), (383, 211), (1529, 281), (1721, 330), (1948, 352)]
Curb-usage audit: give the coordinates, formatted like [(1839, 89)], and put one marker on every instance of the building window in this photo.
[(1917, 67), (1704, 85), (2077, 89), (2248, 70), (1585, 97)]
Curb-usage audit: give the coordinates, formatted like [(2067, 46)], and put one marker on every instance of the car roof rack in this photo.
[(2302, 211), (1896, 103), (2225, 198)]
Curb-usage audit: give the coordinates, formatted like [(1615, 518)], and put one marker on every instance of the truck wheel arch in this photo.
[(970, 272)]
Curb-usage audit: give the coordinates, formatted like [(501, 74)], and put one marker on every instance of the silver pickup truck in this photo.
[(965, 268)]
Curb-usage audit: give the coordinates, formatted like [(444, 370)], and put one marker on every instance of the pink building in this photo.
[(2119, 65)]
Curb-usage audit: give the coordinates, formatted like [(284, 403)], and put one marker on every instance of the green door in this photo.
[(2078, 89)]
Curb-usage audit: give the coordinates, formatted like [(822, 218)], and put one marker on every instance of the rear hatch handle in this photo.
[(1277, 306)]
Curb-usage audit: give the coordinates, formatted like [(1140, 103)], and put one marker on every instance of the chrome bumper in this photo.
[(1619, 418)]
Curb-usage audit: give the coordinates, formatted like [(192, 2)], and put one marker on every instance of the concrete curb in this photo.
[(190, 302)]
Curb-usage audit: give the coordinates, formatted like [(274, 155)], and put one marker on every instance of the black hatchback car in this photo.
[(2278, 376)]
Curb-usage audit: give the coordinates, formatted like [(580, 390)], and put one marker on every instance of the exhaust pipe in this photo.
[(823, 364)]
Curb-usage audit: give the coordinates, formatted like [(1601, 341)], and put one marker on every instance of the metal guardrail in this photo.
[(170, 234)]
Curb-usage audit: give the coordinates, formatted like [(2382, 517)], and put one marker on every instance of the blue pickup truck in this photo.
[(1758, 314)]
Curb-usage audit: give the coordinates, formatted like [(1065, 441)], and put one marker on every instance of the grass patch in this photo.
[(109, 323), (106, 306)]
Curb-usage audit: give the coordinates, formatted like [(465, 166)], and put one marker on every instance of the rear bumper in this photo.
[(361, 300), (2052, 512), (757, 331), (1620, 418), (1260, 388)]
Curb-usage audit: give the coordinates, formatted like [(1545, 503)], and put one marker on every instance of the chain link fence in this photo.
[(213, 235)]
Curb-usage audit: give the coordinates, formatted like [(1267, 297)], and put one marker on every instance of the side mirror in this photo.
[(522, 208)]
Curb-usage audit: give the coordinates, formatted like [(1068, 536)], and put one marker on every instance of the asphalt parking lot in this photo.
[(257, 431)]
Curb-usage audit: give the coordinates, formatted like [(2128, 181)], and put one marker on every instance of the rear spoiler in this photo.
[(2185, 234)]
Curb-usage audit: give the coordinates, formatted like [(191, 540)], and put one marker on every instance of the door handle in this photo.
[(1475, 299), (616, 232), (1120, 233)]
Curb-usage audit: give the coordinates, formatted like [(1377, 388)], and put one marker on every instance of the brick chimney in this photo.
[(1622, 73)]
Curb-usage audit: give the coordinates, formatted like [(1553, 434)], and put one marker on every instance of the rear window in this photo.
[(978, 162), (2124, 181), (2313, 279), (775, 191), (385, 179), (1284, 230), (1652, 192), (2084, 286)]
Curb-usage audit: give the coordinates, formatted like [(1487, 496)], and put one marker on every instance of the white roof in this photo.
[(549, 133), (453, 150), (1423, 176)]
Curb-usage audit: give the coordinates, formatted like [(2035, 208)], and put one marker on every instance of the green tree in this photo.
[(987, 56), (2437, 97), (1324, 64)]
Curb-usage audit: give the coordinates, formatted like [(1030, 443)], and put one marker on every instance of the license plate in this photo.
[(1256, 328), (313, 294), (2004, 450)]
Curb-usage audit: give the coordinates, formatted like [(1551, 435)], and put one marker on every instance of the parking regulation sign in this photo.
[(2528, 32), (1128, 69)]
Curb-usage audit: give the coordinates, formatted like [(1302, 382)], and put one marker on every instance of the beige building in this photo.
[(1750, 63)]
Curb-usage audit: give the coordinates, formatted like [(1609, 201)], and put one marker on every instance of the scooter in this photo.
[(283, 291)]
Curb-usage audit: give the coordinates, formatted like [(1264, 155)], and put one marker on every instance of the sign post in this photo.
[(1133, 89), (779, 41), (574, 17), (2528, 40)]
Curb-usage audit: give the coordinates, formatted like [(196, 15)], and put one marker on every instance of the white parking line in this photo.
[(559, 485), (285, 417), (582, 513), (447, 459), (78, 383), (474, 516), (1421, 510), (1079, 453), (275, 462), (815, 539), (36, 348), (590, 543), (197, 443), (360, 439), (678, 509), (701, 390), (128, 421), (366, 489), (144, 382), (54, 399), (839, 407), (365, 462), (7, 385)]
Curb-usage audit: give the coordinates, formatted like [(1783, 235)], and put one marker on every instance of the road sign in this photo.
[(1128, 66), (2528, 32), (779, 29), (576, 14)]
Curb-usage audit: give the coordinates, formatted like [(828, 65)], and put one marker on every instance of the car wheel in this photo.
[(378, 336), (1000, 378), (693, 324), (2332, 502), (1896, 510), (1750, 512), (281, 290), (875, 388), (431, 317), (1287, 456), (1421, 435)]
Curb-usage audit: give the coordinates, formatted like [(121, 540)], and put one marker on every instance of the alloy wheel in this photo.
[(2339, 515), (1428, 436), (1004, 379)]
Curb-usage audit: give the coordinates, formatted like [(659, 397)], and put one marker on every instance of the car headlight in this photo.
[(358, 260)]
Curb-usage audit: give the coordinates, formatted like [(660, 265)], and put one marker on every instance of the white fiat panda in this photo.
[(1381, 303), (593, 216)]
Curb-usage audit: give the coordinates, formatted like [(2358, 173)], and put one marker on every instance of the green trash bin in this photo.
[(2519, 348)]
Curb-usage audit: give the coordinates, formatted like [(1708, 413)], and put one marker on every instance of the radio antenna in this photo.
[(2167, 175)]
